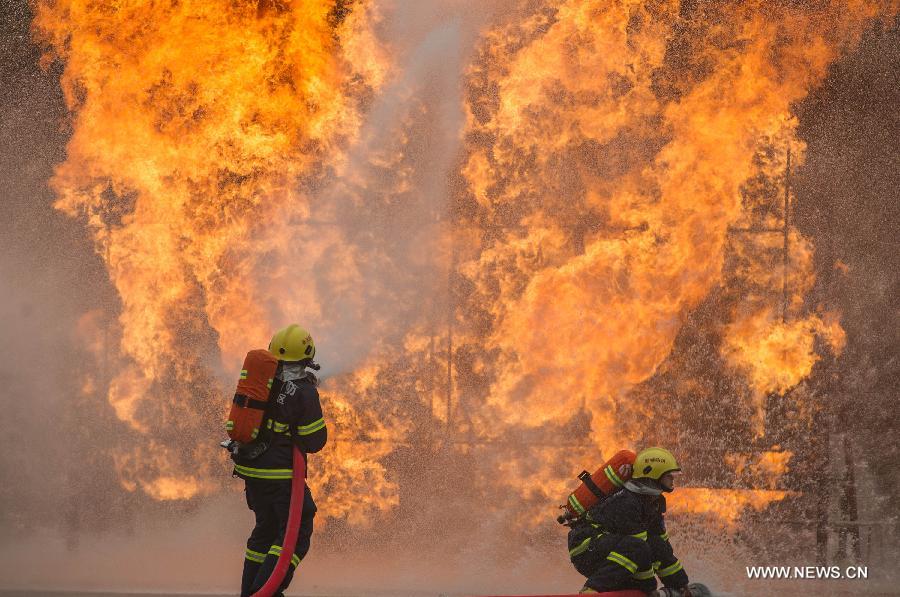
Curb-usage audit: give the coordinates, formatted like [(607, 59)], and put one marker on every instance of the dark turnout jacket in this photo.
[(629, 513), (294, 417), (626, 513)]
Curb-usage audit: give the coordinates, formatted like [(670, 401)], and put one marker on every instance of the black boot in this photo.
[(247, 578)]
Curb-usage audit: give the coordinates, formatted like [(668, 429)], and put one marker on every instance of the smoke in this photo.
[(48, 279), (386, 202)]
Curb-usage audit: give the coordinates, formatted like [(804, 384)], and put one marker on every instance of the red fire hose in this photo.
[(298, 488)]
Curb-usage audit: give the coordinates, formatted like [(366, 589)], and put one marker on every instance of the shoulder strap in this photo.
[(585, 477)]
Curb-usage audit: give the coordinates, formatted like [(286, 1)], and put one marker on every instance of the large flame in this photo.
[(194, 125), (610, 150), (609, 196), (614, 149), (723, 504)]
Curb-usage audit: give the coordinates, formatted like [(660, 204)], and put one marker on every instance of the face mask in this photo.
[(641, 488), (292, 372)]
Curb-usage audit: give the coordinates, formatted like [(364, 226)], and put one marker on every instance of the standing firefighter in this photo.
[(290, 414), (621, 542)]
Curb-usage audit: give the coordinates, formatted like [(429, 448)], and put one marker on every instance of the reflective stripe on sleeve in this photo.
[(311, 428), (670, 570), (621, 560), (642, 535), (580, 549), (665, 536), (644, 574), (254, 556)]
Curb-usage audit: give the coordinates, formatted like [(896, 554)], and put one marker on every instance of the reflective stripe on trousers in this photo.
[(621, 560), (670, 570), (275, 550)]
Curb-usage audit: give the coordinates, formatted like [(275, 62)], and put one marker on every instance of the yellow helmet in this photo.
[(292, 343), (651, 464)]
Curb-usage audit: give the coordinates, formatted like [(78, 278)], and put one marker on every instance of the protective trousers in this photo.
[(667, 567), (270, 501), (613, 562)]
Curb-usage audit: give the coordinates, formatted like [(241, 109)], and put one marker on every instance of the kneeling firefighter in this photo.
[(621, 542), (283, 413)]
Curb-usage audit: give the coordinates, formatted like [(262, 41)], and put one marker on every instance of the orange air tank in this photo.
[(251, 396), (605, 480)]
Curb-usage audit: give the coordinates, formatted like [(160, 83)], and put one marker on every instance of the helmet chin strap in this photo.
[(641, 488)]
